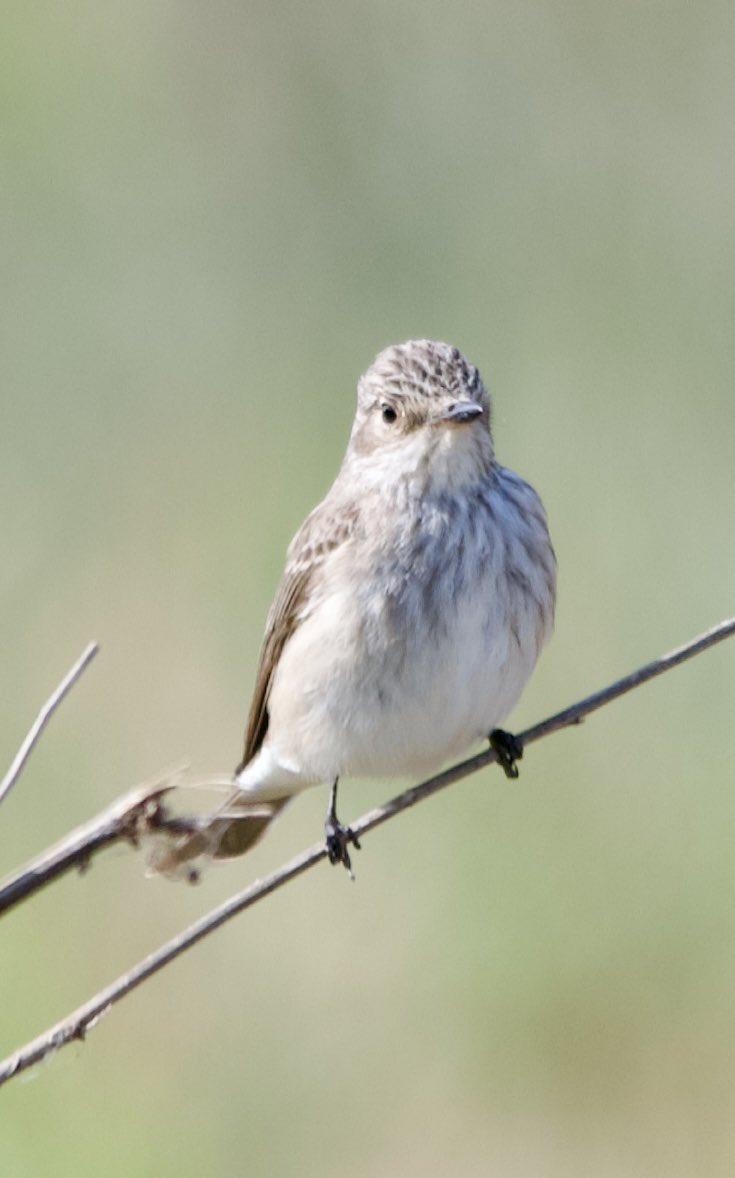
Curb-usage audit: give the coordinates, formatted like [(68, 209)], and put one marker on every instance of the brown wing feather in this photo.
[(282, 622), (322, 531)]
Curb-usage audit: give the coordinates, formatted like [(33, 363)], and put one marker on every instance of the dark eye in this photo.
[(388, 413)]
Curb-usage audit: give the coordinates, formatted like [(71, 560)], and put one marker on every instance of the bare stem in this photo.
[(76, 1025), (126, 819), (43, 718)]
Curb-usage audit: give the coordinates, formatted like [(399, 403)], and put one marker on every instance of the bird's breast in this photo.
[(418, 640)]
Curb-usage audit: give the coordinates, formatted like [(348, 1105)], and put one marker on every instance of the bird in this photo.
[(413, 606)]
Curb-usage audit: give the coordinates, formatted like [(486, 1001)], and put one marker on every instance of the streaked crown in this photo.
[(424, 369)]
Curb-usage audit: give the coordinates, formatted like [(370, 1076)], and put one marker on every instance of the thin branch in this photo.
[(76, 1025), (43, 718), (129, 818), (137, 812)]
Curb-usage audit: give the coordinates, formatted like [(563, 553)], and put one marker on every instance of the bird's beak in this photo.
[(460, 413)]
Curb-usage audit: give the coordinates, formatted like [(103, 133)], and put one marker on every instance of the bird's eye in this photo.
[(388, 414)]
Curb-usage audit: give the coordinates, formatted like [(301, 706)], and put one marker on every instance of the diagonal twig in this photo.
[(76, 1025), (137, 812), (43, 718)]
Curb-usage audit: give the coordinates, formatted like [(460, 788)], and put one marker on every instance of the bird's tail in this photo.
[(242, 832), (232, 831)]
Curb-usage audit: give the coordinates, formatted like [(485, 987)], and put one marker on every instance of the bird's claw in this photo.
[(508, 749), (338, 839)]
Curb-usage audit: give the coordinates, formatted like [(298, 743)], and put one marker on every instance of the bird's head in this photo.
[(422, 410)]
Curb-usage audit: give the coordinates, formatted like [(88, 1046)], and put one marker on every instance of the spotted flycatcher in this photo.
[(414, 604)]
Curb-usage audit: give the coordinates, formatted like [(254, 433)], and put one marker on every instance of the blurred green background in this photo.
[(213, 216)]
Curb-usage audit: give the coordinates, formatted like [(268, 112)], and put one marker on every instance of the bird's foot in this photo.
[(508, 749), (338, 836), (338, 839)]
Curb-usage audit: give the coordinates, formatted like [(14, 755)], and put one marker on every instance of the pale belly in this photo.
[(449, 695), (344, 704)]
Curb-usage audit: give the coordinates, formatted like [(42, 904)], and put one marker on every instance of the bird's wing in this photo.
[(326, 529)]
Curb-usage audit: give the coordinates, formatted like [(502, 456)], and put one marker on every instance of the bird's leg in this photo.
[(508, 749), (338, 837)]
